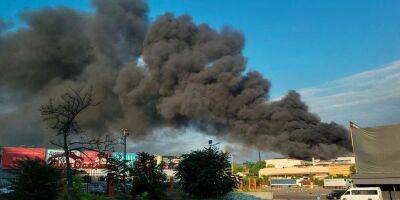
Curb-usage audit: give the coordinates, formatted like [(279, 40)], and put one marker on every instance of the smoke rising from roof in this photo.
[(192, 75)]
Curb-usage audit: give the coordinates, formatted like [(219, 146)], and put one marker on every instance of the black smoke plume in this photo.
[(170, 73)]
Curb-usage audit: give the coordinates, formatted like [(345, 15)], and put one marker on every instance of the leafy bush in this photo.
[(119, 171), (36, 180), (254, 168), (148, 178), (237, 168), (206, 173), (78, 192)]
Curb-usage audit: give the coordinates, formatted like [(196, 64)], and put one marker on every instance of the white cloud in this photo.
[(369, 98), (176, 142)]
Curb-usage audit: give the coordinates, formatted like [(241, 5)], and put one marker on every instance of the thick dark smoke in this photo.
[(62, 48), (172, 74)]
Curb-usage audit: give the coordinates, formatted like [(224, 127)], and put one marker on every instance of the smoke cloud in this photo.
[(170, 73)]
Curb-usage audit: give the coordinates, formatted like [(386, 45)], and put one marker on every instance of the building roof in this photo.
[(376, 179)]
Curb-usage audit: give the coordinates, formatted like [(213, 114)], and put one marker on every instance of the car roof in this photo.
[(365, 188)]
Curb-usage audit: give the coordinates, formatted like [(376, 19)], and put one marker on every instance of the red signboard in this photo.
[(12, 154), (78, 160), (91, 160)]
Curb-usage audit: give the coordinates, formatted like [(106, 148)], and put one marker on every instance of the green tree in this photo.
[(206, 173), (148, 177), (237, 168), (79, 192), (119, 171), (36, 180), (256, 167)]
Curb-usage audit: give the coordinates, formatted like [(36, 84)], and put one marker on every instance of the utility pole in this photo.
[(259, 156), (125, 134)]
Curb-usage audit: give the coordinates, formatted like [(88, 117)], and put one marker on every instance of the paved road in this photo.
[(299, 194)]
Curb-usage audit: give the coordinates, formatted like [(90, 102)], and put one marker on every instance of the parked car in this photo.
[(335, 194), (366, 193), (6, 190)]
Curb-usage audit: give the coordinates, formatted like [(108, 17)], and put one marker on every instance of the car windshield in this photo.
[(364, 192)]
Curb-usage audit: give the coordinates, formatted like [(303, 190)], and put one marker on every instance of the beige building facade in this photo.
[(317, 171)]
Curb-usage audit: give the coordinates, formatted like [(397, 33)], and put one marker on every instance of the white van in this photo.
[(364, 193)]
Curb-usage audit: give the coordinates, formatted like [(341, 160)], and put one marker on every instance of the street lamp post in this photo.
[(210, 142)]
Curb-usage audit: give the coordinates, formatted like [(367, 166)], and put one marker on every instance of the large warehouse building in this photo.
[(377, 153), (91, 162)]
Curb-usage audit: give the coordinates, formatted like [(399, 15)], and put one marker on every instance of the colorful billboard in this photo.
[(56, 156), (130, 157), (92, 160), (13, 154), (78, 160), (89, 160)]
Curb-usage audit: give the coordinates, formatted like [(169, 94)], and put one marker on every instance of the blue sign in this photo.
[(130, 157)]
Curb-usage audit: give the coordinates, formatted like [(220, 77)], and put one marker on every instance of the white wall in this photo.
[(284, 162)]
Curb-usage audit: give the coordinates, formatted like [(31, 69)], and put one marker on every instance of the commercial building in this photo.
[(6, 178), (317, 171), (91, 162), (130, 157), (284, 162), (349, 160), (169, 164), (336, 183), (11, 155)]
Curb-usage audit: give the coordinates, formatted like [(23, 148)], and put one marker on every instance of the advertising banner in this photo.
[(92, 160), (78, 160), (11, 155), (57, 157), (130, 157)]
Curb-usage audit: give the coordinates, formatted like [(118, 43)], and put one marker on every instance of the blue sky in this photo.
[(342, 56)]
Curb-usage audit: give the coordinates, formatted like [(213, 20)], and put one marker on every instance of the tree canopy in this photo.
[(148, 177), (206, 173), (36, 180)]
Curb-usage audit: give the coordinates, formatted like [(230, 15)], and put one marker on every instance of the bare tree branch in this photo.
[(61, 116), (56, 144)]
